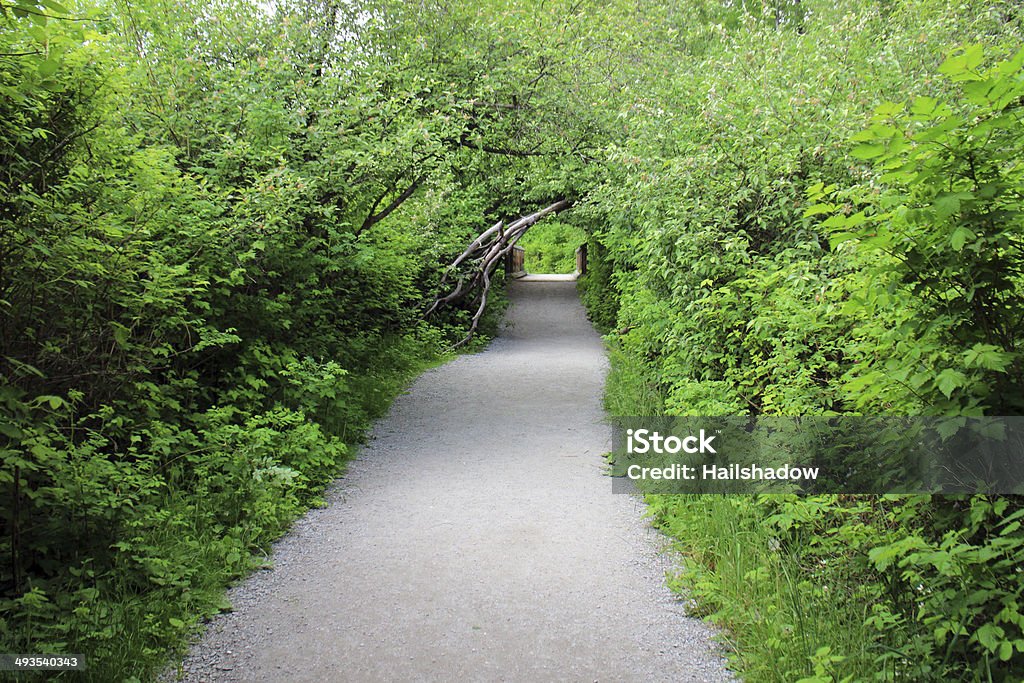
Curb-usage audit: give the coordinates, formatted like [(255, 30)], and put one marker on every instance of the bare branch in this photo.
[(483, 256)]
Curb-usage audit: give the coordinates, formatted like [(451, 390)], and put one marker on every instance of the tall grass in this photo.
[(746, 569)]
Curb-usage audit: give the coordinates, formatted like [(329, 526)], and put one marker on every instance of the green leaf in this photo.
[(38, 33), (819, 209), (959, 238), (962, 65), (923, 106), (48, 67), (989, 636), (888, 109), (121, 334), (54, 402), (988, 357), (940, 130), (948, 380), (10, 430), (55, 6), (837, 238), (946, 205), (868, 151), (884, 556)]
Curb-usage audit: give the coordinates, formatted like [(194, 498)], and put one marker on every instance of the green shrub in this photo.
[(770, 251), (551, 247)]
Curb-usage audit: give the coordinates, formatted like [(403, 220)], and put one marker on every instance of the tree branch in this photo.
[(372, 219), (483, 255)]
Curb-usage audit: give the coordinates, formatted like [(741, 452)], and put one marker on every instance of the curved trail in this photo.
[(474, 538)]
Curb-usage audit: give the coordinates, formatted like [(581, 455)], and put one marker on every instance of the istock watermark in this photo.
[(646, 441), (818, 455)]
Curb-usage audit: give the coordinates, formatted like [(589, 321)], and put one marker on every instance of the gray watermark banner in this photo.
[(827, 454)]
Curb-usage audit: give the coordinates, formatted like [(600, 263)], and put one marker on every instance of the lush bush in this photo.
[(773, 248), (551, 247), (597, 291), (217, 246)]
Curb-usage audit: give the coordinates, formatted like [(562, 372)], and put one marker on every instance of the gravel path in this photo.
[(474, 538)]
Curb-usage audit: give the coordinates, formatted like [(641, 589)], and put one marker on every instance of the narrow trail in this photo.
[(474, 538)]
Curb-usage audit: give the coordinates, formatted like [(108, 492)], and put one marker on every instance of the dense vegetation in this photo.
[(221, 223), (550, 247), (218, 229), (819, 212)]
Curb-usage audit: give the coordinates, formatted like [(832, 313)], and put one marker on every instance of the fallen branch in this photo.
[(473, 268)]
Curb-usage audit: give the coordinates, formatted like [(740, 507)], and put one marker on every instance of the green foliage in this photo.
[(220, 223), (771, 248), (897, 589), (216, 248), (596, 288), (768, 571), (944, 221), (551, 247)]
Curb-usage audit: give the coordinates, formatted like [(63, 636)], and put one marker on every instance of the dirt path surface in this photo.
[(474, 538)]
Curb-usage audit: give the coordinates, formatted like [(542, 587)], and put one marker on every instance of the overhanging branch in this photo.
[(473, 268), (374, 218)]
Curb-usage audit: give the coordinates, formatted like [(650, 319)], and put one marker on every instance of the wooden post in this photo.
[(581, 259), (515, 262)]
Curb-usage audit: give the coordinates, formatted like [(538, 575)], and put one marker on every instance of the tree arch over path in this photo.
[(472, 270)]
